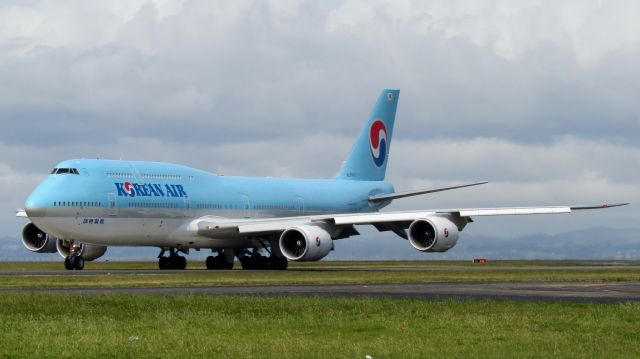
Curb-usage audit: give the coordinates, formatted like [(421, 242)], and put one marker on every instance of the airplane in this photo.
[(86, 205)]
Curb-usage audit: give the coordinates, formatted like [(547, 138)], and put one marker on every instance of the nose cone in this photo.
[(39, 200), (35, 206)]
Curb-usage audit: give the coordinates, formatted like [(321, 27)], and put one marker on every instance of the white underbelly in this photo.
[(144, 232)]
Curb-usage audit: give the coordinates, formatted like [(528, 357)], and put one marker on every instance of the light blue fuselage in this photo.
[(145, 203), (155, 204)]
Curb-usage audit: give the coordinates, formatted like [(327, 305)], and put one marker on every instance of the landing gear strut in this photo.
[(173, 261)]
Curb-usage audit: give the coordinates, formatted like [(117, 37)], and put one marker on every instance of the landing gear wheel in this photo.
[(262, 262), (67, 263), (172, 262), (79, 263), (74, 262), (180, 262), (247, 263), (163, 262), (279, 264), (218, 262), (226, 265), (211, 262)]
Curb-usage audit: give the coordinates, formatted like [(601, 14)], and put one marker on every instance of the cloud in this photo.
[(130, 68), (509, 29)]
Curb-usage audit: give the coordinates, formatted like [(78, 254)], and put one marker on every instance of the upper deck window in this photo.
[(59, 171)]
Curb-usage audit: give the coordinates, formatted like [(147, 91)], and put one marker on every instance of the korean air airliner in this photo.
[(84, 206)]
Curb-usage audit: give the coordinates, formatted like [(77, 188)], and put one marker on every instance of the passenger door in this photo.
[(112, 205), (246, 207)]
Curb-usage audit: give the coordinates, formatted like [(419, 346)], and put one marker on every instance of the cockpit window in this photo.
[(59, 171)]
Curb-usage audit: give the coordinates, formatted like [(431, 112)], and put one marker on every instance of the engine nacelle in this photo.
[(433, 234), (305, 243), (35, 240), (88, 251)]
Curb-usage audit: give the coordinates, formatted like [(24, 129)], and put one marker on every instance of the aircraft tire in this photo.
[(67, 263), (218, 262), (79, 263), (163, 262), (226, 265), (279, 264), (210, 262), (247, 263), (180, 263)]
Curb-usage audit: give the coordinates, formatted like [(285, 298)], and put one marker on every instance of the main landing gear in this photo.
[(74, 260), (173, 261), (255, 260), (224, 260)]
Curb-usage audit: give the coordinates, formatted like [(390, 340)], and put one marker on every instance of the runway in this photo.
[(571, 291), (354, 269), (592, 292)]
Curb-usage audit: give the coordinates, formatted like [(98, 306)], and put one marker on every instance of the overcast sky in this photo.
[(539, 97)]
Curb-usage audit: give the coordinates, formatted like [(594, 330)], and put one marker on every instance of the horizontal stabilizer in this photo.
[(396, 195)]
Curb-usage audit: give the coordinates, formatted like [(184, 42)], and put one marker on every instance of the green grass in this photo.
[(110, 326), (320, 273)]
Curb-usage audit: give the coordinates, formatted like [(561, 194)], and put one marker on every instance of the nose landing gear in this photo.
[(74, 260)]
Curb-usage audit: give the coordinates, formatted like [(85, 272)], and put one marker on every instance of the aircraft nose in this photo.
[(36, 203)]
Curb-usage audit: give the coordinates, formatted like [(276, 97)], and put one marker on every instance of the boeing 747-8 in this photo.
[(85, 206)]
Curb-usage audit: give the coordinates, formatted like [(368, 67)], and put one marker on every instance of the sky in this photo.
[(538, 97)]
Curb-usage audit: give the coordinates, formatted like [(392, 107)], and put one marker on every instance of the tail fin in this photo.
[(368, 158)]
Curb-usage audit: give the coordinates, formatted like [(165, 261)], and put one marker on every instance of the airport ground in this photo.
[(129, 309), (145, 274)]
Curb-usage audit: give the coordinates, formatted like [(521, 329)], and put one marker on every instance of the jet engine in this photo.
[(36, 240), (305, 243), (88, 251), (433, 234)]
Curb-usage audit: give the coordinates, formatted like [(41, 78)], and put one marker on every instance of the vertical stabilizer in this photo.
[(369, 155)]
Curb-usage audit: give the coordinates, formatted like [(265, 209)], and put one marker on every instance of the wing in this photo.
[(21, 213), (218, 227)]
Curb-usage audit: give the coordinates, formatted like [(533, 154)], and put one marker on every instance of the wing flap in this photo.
[(367, 218), (512, 211)]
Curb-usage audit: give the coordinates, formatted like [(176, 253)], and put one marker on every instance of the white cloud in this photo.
[(591, 29)]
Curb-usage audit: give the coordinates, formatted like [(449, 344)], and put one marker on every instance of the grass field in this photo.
[(175, 326), (321, 272), (62, 326)]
